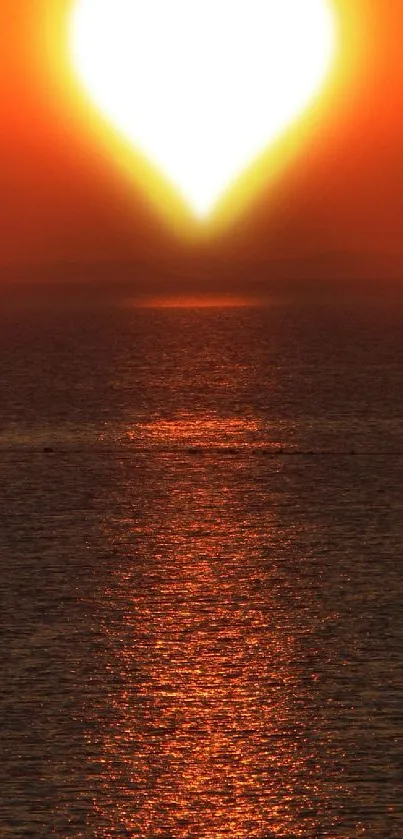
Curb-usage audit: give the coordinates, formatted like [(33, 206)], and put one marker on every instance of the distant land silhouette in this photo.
[(328, 274)]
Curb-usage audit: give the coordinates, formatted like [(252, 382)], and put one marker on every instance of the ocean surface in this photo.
[(201, 542)]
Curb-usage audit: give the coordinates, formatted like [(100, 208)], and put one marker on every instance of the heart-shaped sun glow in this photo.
[(202, 87)]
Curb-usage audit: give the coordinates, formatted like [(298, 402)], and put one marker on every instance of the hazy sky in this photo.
[(63, 200)]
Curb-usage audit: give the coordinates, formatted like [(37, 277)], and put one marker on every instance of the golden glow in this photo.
[(200, 89), (194, 301)]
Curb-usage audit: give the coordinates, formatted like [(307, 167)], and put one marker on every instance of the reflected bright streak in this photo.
[(202, 88)]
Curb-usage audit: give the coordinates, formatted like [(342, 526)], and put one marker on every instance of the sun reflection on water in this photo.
[(196, 429), (209, 735)]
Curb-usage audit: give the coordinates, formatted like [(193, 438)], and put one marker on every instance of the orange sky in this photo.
[(62, 201)]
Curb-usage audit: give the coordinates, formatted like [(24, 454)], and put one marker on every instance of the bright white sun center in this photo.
[(201, 87)]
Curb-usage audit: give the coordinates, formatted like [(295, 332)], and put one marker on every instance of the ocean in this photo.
[(201, 536)]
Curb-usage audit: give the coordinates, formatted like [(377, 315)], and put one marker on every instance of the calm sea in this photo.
[(201, 583)]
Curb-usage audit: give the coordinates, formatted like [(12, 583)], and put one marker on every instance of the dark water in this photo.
[(201, 587)]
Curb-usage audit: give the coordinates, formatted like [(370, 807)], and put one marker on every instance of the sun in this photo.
[(202, 87)]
